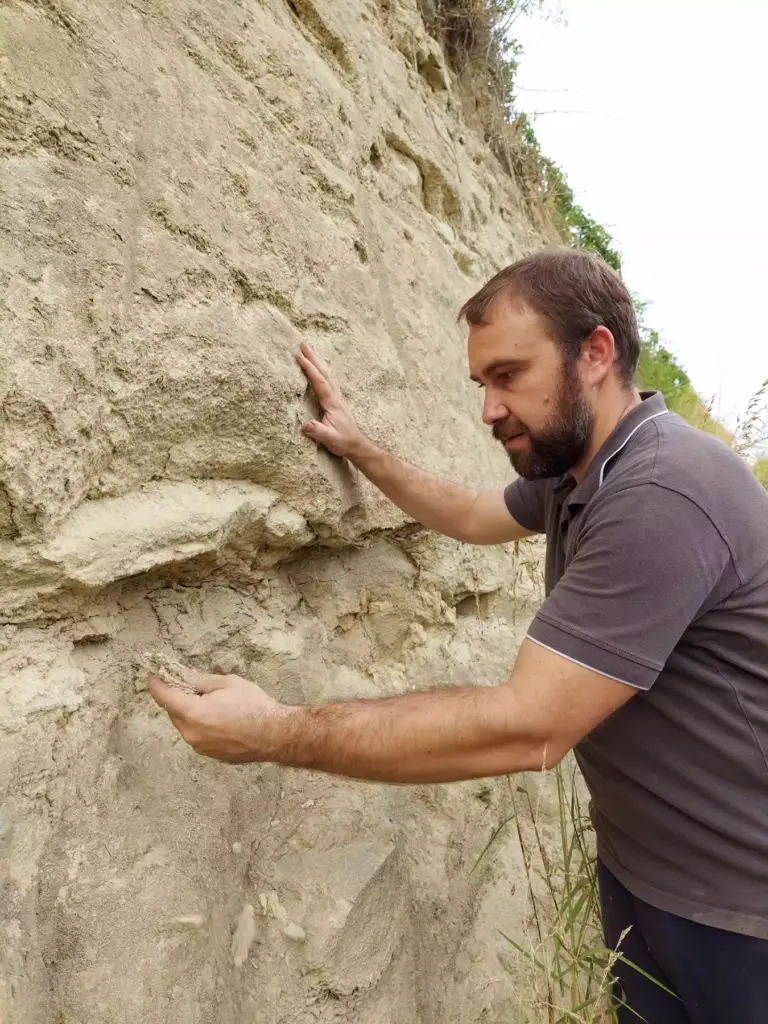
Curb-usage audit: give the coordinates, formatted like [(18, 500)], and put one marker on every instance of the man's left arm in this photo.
[(528, 724), (646, 566)]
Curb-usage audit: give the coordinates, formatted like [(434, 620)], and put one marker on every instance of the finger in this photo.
[(318, 362), (319, 433), (170, 698), (205, 682), (320, 385), (315, 359), (312, 363)]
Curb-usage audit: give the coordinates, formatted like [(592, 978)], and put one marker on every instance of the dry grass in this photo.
[(751, 425), (565, 969), (562, 967), (750, 432), (699, 415)]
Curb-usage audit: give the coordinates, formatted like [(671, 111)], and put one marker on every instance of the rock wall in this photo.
[(188, 190)]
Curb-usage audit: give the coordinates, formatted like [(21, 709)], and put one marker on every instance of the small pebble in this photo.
[(295, 931), (190, 920)]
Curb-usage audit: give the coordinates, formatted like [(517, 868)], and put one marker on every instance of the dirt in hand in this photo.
[(169, 670)]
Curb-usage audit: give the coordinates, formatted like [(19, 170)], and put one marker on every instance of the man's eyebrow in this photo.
[(502, 364)]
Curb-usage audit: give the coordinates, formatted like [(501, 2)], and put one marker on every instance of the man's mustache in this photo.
[(504, 431)]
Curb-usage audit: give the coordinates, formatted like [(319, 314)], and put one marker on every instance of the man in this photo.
[(649, 655)]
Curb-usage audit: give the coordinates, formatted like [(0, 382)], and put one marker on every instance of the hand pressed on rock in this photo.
[(231, 720), (337, 430)]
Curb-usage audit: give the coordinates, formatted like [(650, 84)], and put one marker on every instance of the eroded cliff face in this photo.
[(187, 191)]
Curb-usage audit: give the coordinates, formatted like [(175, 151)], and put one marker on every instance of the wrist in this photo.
[(285, 735), (361, 449)]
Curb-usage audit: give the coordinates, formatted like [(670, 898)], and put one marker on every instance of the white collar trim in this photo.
[(626, 441)]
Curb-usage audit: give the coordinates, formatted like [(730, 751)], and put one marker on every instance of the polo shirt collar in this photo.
[(651, 406)]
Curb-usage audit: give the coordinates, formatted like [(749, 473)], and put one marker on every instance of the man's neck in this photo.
[(611, 411)]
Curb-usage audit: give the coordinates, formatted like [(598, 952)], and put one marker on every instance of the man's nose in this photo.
[(493, 409)]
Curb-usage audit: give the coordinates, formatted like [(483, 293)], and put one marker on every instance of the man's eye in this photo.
[(507, 378), (480, 384)]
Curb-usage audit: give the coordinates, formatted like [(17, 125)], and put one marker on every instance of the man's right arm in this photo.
[(474, 517)]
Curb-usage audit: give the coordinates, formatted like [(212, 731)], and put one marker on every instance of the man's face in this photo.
[(534, 402)]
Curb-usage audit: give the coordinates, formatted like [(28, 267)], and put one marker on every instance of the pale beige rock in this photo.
[(190, 920), (245, 933), (187, 191), (294, 932)]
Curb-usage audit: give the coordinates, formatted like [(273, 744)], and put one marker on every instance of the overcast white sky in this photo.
[(661, 129)]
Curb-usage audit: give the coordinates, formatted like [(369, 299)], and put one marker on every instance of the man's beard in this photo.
[(564, 440)]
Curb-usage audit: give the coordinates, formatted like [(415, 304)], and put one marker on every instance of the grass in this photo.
[(750, 426), (562, 966)]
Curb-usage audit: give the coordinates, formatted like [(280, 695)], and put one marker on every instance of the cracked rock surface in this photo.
[(187, 191)]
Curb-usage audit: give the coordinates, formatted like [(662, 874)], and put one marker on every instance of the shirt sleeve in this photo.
[(525, 502), (647, 564)]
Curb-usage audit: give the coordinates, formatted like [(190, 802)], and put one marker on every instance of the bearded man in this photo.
[(649, 656)]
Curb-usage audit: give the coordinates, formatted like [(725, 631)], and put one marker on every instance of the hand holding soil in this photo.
[(223, 717)]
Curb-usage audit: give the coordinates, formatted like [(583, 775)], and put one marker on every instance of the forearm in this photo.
[(439, 736), (437, 504)]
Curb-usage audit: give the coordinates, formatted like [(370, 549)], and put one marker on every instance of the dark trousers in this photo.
[(719, 977)]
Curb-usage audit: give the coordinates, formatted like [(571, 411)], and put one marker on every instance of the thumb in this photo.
[(318, 432), (170, 698)]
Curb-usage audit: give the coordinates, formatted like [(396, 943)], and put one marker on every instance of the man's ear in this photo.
[(598, 351)]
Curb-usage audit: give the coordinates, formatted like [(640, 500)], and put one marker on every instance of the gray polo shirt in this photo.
[(657, 575)]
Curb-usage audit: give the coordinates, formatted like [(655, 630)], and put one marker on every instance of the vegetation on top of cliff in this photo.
[(760, 469), (481, 48), (478, 37), (573, 223), (659, 370)]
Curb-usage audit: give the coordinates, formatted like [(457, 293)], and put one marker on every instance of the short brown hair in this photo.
[(576, 292)]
